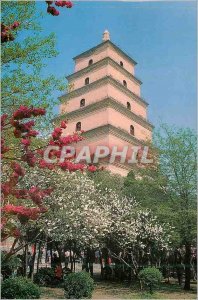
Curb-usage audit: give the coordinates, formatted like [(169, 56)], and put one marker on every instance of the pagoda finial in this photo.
[(106, 36)]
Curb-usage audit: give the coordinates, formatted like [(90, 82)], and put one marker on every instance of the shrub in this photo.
[(78, 285), (44, 277), (19, 288), (150, 277), (9, 266)]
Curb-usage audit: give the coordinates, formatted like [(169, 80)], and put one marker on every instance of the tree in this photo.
[(178, 165), (138, 232), (82, 215), (18, 202), (75, 212), (24, 52), (23, 59), (147, 186), (169, 187)]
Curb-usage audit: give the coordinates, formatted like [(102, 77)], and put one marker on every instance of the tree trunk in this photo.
[(50, 245), (11, 251), (38, 258), (150, 289), (26, 260), (74, 263), (33, 261), (71, 260), (59, 254), (187, 266)]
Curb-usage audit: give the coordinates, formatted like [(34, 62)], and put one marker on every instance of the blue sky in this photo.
[(160, 36)]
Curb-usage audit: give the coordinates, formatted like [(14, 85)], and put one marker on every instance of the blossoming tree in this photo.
[(81, 213), (21, 204), (75, 212)]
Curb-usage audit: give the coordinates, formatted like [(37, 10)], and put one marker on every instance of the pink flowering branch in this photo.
[(22, 126), (7, 30), (53, 11)]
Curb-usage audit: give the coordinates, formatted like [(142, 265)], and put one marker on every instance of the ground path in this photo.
[(114, 290)]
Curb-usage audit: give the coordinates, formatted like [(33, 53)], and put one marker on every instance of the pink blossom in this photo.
[(3, 118), (69, 4), (92, 168), (5, 188), (32, 133), (52, 10), (18, 169), (30, 158), (17, 133), (22, 112), (67, 165), (63, 124), (15, 25), (38, 112), (25, 142)]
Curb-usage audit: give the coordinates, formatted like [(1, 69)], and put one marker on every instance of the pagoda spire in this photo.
[(106, 36)]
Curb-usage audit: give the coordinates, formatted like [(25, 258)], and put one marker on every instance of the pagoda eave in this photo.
[(98, 64), (105, 103), (99, 82), (105, 44), (118, 132)]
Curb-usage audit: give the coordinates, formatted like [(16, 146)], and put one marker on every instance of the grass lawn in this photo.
[(109, 290)]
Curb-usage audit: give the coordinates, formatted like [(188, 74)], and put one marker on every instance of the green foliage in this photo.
[(106, 180), (177, 150), (27, 36), (19, 288), (168, 187), (23, 61), (78, 285), (150, 277), (178, 164), (13, 262), (8, 266), (44, 277)]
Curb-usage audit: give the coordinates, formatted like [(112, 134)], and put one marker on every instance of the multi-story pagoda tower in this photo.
[(104, 100)]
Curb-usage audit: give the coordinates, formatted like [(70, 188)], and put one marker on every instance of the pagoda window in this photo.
[(125, 83), (87, 81), (121, 64), (90, 62), (132, 131), (129, 105), (82, 102), (78, 126)]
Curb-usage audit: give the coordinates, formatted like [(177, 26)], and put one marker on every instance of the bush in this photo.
[(44, 277), (78, 285), (9, 266), (19, 288), (150, 277)]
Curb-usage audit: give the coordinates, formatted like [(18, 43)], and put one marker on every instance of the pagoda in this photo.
[(104, 100)]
